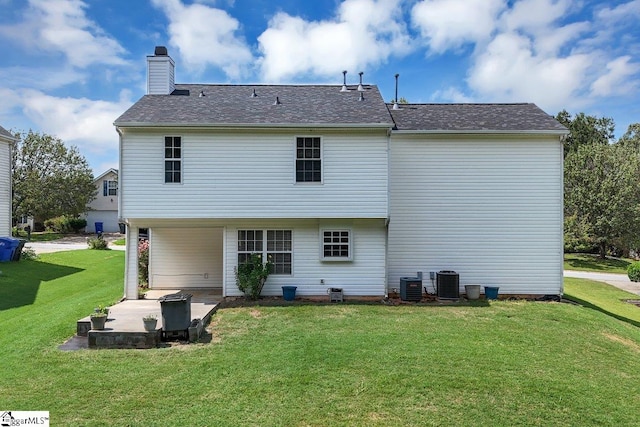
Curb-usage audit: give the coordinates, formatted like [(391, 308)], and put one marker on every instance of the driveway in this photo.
[(618, 280), (71, 243)]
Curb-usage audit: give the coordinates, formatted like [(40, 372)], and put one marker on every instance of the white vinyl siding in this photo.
[(365, 276), (185, 258), (249, 174), (160, 75), (109, 220), (5, 189), (489, 209)]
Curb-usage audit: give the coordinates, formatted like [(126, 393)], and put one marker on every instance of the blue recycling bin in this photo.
[(99, 227), (7, 248)]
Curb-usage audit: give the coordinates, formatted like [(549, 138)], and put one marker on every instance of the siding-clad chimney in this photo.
[(160, 72)]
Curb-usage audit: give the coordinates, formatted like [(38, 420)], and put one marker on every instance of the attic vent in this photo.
[(344, 82), (254, 94), (277, 101), (160, 51), (360, 88)]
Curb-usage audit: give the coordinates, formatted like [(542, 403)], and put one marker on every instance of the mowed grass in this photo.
[(498, 364), (592, 262), (603, 297)]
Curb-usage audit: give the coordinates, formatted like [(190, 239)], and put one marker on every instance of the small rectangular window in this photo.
[(172, 159), (336, 245), (308, 159)]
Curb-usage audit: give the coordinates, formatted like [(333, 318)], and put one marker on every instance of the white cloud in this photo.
[(617, 80), (624, 11), (206, 36), (535, 15), (363, 33), (62, 26), (509, 70), (448, 24), (83, 122)]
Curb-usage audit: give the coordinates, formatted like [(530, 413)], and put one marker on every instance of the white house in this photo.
[(338, 188), (104, 208), (6, 143)]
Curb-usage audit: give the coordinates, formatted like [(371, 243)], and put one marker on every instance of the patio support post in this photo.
[(131, 264)]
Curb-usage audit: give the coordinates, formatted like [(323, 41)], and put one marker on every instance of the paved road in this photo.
[(70, 244), (618, 280)]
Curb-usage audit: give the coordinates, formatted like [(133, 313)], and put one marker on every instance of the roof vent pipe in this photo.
[(201, 94), (277, 101), (344, 82), (361, 97), (360, 88), (395, 101), (254, 94)]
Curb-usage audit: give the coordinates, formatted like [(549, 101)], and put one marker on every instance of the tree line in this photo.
[(601, 186), (49, 179)]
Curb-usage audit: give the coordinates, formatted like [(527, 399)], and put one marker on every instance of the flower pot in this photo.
[(150, 324), (491, 292), (97, 322), (472, 291), (289, 293)]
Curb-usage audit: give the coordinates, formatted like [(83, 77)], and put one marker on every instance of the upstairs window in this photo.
[(109, 188), (308, 159), (172, 159), (336, 245)]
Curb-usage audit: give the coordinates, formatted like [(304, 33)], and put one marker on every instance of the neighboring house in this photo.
[(104, 208), (337, 188), (6, 144)]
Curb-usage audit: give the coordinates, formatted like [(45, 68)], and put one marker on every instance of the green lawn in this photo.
[(119, 242), (603, 297), (497, 364), (591, 262), (44, 236)]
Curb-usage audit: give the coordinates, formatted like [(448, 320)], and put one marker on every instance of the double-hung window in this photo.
[(109, 188), (172, 159), (273, 245), (308, 159), (336, 245)]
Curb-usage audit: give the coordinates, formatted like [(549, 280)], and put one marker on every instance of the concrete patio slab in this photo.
[(125, 329)]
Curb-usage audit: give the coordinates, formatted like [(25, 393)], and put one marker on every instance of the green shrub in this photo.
[(633, 271), (97, 243), (28, 254), (143, 264), (251, 275), (59, 224), (76, 224)]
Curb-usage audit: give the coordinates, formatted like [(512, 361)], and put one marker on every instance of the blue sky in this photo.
[(70, 67)]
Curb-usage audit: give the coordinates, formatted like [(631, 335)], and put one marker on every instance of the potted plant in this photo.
[(98, 319), (252, 274), (150, 321), (102, 309)]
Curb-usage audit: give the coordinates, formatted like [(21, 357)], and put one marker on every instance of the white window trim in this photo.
[(265, 252), (295, 158), (181, 159), (350, 245)]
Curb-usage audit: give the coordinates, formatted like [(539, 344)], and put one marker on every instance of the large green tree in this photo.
[(586, 129), (602, 195), (49, 178)]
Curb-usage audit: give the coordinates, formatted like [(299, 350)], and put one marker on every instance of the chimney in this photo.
[(160, 72)]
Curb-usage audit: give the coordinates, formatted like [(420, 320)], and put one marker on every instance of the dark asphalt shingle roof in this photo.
[(5, 133), (473, 117), (226, 105)]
